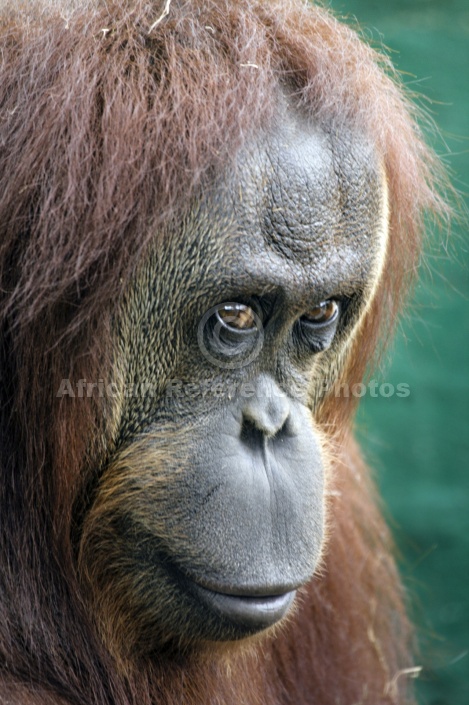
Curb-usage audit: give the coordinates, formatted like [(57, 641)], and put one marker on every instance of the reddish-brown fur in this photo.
[(100, 146)]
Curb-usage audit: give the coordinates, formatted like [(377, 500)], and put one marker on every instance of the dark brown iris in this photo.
[(237, 316), (322, 313)]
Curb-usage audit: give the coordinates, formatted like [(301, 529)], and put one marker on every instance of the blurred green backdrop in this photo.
[(419, 445)]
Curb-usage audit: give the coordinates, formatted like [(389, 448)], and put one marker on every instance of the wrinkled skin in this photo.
[(210, 514)]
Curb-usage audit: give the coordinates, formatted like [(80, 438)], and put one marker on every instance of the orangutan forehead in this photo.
[(320, 189), (307, 206)]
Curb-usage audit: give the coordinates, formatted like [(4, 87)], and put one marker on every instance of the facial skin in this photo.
[(209, 516)]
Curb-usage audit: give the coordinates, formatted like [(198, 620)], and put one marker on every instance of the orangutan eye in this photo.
[(237, 317), (230, 334), (324, 313)]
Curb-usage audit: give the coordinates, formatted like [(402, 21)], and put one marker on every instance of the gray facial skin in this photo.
[(219, 471)]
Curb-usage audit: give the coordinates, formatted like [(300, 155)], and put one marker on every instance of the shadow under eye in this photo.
[(228, 341), (316, 337)]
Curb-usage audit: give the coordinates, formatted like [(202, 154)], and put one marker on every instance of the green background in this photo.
[(419, 445)]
